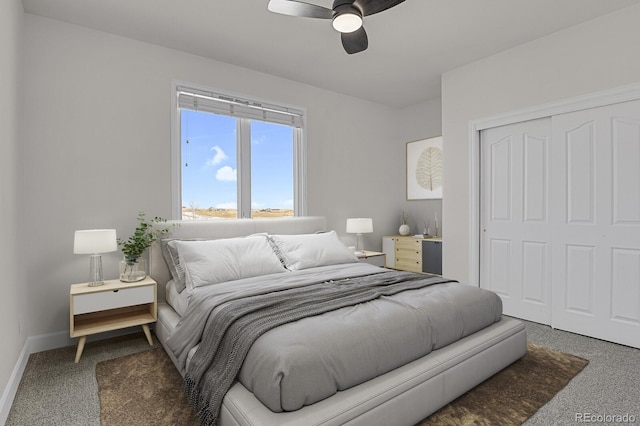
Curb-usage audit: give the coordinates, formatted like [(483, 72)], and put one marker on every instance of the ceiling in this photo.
[(410, 45)]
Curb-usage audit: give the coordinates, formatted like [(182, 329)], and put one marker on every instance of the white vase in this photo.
[(404, 229), (131, 272)]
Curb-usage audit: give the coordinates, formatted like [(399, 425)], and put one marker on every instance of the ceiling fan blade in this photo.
[(369, 7), (355, 42), (298, 8)]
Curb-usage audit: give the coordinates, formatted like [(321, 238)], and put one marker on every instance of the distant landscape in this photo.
[(213, 213)]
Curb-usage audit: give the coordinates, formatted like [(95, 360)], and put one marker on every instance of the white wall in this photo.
[(96, 145), (13, 278), (590, 57), (419, 122)]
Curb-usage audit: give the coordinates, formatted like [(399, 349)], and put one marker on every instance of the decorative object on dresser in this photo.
[(112, 306), (359, 226), (436, 224), (424, 169), (404, 229), (427, 229), (94, 242), (411, 253), (133, 267)]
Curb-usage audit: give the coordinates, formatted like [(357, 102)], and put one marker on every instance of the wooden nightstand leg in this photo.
[(147, 333), (81, 343)]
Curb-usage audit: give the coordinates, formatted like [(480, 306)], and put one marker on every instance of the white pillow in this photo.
[(171, 257), (312, 250), (216, 261)]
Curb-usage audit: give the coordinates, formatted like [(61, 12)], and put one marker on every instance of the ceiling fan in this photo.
[(346, 16)]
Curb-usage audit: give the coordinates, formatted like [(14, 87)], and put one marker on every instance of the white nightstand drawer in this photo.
[(103, 300)]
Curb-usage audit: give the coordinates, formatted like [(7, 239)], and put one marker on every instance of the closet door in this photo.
[(596, 222), (515, 251)]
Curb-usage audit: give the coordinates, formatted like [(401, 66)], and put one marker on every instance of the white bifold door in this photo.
[(560, 220)]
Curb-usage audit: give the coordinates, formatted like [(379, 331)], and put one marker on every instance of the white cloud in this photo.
[(258, 140), (218, 158), (227, 174), (287, 204), (256, 205)]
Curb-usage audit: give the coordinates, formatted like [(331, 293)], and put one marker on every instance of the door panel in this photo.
[(579, 279), (535, 179), (500, 173), (626, 171), (625, 296), (579, 170), (514, 253), (499, 276), (534, 272)]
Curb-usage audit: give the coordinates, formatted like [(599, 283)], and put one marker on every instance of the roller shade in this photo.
[(218, 103)]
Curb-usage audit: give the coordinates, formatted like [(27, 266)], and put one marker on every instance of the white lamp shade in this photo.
[(360, 225), (93, 241)]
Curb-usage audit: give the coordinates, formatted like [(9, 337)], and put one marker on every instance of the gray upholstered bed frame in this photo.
[(401, 397)]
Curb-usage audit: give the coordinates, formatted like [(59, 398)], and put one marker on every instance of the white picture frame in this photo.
[(424, 169)]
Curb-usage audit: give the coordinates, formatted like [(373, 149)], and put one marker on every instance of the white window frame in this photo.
[(244, 148)]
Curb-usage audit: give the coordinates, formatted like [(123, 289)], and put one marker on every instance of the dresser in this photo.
[(413, 254)]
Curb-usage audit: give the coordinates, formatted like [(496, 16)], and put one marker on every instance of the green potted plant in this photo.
[(133, 267)]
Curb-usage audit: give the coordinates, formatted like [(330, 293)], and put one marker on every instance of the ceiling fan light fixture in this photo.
[(347, 19)]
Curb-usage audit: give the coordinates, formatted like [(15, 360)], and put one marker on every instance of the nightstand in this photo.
[(111, 306), (372, 257)]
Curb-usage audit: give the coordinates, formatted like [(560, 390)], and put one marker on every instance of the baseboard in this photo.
[(44, 342), (12, 386)]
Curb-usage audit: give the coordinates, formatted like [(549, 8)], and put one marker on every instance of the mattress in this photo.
[(178, 301), (305, 361)]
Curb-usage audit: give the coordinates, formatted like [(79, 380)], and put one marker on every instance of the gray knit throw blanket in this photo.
[(229, 334)]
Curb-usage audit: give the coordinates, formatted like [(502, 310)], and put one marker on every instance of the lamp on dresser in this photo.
[(95, 242), (359, 226)]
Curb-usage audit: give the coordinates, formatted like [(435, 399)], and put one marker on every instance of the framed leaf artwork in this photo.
[(424, 169)]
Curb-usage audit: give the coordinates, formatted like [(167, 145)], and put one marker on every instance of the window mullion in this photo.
[(299, 175), (244, 167)]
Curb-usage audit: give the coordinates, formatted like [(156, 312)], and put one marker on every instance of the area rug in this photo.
[(515, 393), (142, 389), (146, 389)]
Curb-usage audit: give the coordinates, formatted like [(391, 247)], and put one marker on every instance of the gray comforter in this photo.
[(310, 359)]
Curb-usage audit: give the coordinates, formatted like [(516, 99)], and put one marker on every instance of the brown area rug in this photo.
[(514, 394), (146, 389), (142, 389)]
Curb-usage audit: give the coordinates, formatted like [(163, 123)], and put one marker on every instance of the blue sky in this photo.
[(209, 162)]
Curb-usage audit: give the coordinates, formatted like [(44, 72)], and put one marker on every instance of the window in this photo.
[(236, 157)]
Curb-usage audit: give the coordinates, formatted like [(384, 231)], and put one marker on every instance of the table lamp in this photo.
[(359, 226), (94, 242)]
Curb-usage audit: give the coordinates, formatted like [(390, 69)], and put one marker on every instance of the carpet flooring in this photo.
[(145, 389)]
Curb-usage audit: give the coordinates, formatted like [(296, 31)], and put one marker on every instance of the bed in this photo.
[(405, 388)]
